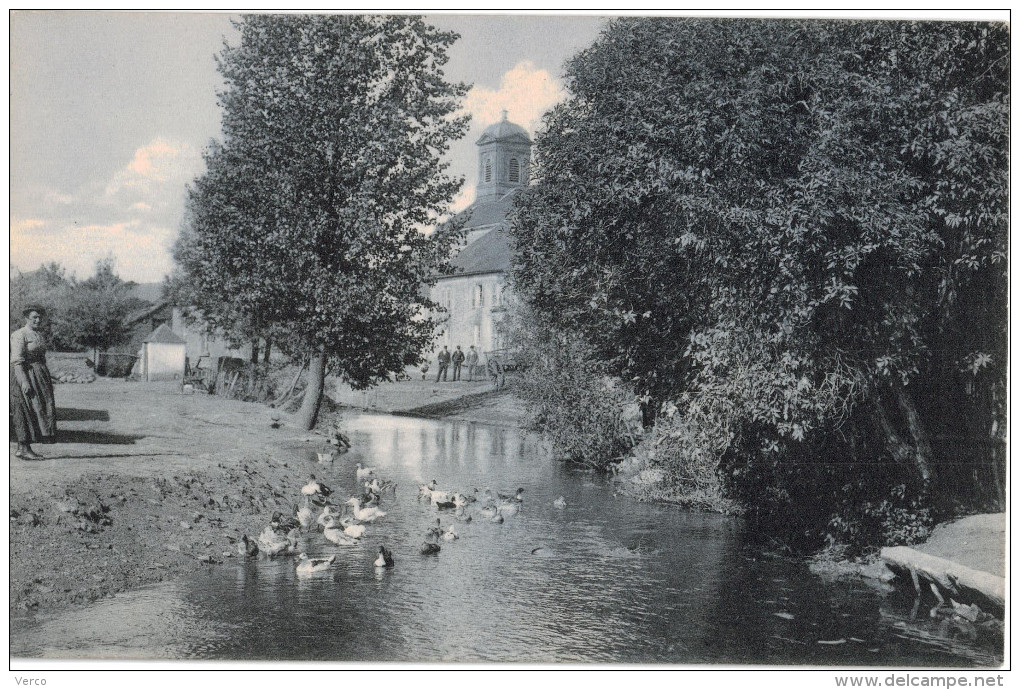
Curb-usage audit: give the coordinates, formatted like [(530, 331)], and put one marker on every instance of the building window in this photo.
[(488, 170), (475, 333), (447, 300), (497, 295), (515, 170), (477, 297)]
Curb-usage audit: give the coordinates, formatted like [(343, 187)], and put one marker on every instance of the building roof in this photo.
[(504, 130), (490, 253), (164, 335), (487, 212)]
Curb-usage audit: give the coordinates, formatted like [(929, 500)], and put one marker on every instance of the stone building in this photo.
[(474, 296)]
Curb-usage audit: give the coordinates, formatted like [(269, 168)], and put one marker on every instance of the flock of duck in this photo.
[(343, 522)]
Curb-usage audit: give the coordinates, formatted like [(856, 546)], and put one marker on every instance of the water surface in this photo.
[(607, 579)]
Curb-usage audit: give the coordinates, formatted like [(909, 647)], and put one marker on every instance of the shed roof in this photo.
[(164, 335)]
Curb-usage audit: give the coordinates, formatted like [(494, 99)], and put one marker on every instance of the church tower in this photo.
[(504, 156)]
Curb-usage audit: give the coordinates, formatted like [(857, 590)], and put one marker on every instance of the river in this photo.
[(605, 579)]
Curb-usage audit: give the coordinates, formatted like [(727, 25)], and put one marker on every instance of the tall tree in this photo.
[(802, 223), (309, 220)]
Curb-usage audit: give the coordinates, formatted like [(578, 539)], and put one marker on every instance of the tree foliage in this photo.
[(308, 222), (81, 314), (796, 227)]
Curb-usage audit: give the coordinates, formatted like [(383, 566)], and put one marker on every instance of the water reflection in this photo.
[(606, 579)]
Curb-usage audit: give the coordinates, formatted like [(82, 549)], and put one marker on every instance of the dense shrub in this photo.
[(570, 398)]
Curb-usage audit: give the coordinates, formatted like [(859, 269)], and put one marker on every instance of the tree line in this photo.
[(81, 314), (788, 241)]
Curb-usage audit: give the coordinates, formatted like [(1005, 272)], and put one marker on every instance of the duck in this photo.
[(560, 503), (304, 514), (366, 514), (498, 517), (273, 544), (429, 549), (443, 504), (489, 511), (443, 497), (385, 559), (248, 547), (352, 529), (307, 566), (509, 509), (517, 497), (377, 487), (369, 498), (327, 514), (363, 472), (283, 524), (316, 491), (435, 532), (325, 458), (462, 515), (337, 535), (449, 534)]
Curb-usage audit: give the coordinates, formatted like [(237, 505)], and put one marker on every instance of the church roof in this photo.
[(164, 335), (504, 130), (490, 253), (487, 212)]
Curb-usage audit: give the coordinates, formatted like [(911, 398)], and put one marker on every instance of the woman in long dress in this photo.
[(32, 405)]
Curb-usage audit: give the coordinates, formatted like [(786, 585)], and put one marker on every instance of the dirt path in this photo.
[(144, 484)]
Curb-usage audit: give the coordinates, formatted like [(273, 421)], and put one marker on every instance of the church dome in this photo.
[(504, 130)]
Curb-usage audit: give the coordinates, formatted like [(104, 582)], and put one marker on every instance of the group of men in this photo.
[(458, 358)]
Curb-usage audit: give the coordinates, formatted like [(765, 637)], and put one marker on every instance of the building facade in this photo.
[(474, 297)]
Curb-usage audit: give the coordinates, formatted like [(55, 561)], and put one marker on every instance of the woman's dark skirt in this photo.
[(35, 417)]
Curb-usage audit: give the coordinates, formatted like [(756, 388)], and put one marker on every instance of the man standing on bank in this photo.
[(458, 360), (32, 406), (472, 362), (444, 364)]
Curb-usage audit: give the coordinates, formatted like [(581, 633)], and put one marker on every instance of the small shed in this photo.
[(162, 356)]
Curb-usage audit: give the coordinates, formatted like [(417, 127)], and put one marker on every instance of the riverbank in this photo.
[(143, 485), (466, 401)]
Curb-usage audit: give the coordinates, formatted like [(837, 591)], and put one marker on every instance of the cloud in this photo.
[(141, 251), (153, 165), (133, 215), (525, 92)]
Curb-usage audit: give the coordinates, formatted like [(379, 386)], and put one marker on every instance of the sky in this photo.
[(110, 113)]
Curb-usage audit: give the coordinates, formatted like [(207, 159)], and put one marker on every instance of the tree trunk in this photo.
[(255, 351), (309, 412), (918, 455), (269, 348), (923, 454)]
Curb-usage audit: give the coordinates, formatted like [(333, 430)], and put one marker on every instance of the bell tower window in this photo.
[(515, 170), (488, 170)]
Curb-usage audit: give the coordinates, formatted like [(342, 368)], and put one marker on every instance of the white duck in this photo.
[(560, 503), (315, 490), (364, 472), (385, 559), (272, 543), (352, 529), (449, 534), (366, 514), (308, 566), (304, 514), (327, 514), (336, 535)]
